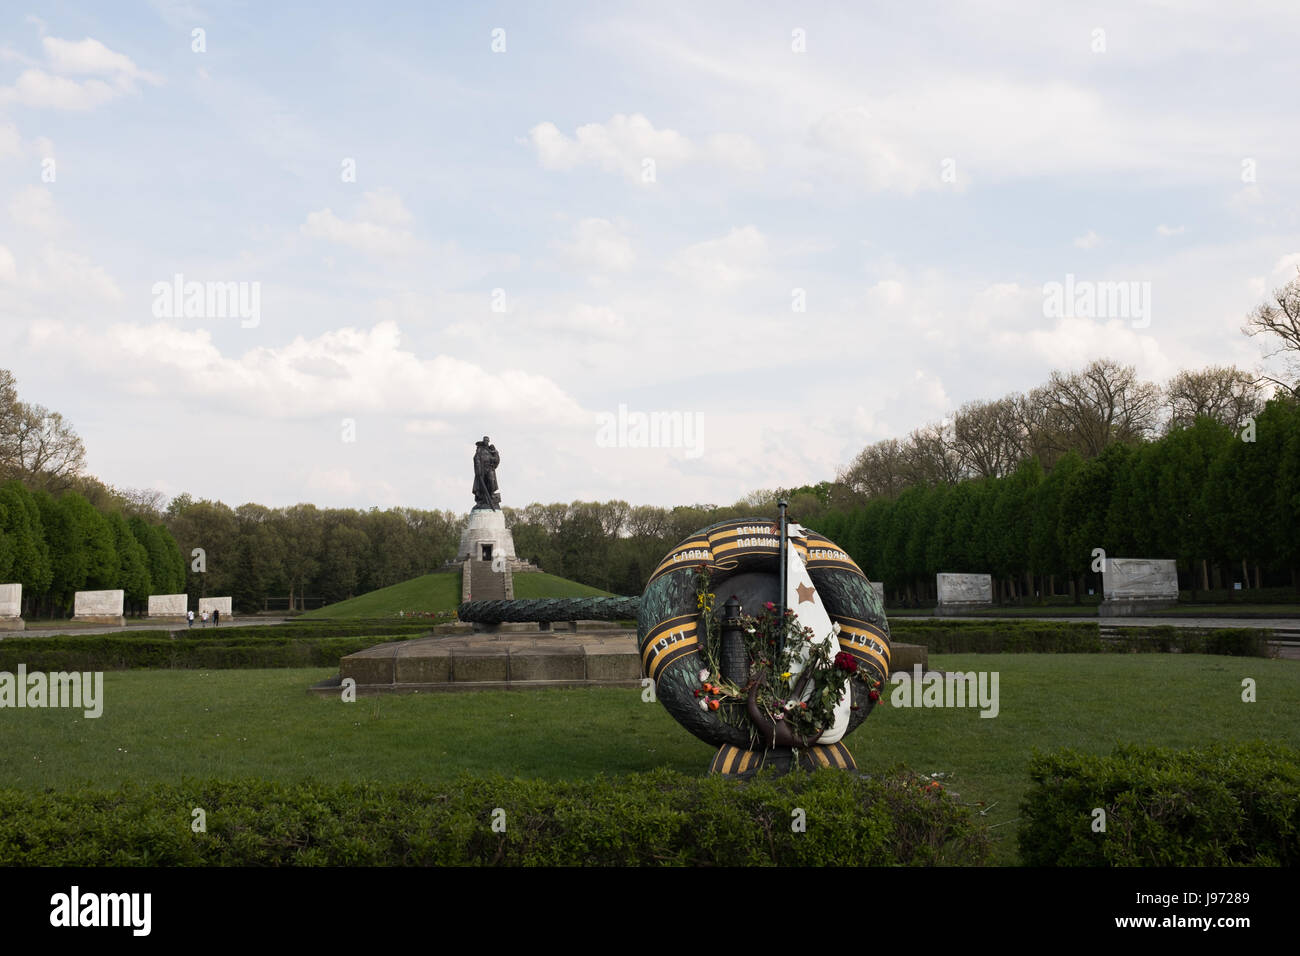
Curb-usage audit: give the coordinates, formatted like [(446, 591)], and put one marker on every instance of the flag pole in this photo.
[(783, 572)]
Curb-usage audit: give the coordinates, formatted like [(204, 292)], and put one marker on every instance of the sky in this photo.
[(668, 253)]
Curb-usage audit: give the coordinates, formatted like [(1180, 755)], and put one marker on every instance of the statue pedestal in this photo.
[(486, 530)]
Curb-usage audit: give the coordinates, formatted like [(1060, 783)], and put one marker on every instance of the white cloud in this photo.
[(1163, 230), (1089, 240), (733, 258), (91, 56), (592, 321), (344, 371), (376, 229), (624, 144), (35, 87), (597, 244)]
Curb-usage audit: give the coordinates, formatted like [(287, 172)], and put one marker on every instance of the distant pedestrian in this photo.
[(190, 616), (205, 618), (216, 617)]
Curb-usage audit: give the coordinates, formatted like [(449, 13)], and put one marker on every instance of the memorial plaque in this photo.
[(1135, 585), (965, 589), (11, 607), (99, 607), (211, 604), (879, 588), (168, 606)]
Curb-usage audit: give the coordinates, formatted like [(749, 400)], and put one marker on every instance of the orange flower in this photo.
[(714, 704)]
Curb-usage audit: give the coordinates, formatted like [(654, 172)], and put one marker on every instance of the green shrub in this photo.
[(657, 818), (1217, 806)]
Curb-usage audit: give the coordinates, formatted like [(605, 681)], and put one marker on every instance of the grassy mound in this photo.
[(440, 592)]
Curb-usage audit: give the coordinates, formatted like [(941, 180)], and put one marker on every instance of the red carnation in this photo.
[(845, 662), (874, 695)]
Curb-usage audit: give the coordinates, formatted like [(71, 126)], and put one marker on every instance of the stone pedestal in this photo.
[(168, 608), (11, 607), (959, 593), (99, 607), (486, 537), (211, 604), (1135, 586)]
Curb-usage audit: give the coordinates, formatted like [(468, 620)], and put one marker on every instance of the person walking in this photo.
[(190, 617), (216, 617), (205, 618)]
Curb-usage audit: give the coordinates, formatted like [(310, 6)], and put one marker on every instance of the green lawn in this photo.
[(169, 725), (440, 592)]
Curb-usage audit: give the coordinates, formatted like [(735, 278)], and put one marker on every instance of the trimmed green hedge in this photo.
[(118, 652), (1073, 637), (656, 818), (1217, 806)]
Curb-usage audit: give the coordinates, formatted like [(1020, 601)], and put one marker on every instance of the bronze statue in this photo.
[(486, 460)]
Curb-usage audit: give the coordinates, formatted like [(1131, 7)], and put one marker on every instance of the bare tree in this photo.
[(931, 455), (1281, 318), (879, 471), (41, 449), (1224, 393), (989, 437), (1088, 410)]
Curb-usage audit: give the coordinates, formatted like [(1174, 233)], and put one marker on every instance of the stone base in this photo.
[(12, 624), (169, 619), (734, 762), (1132, 608), (903, 657), (956, 610), (106, 619)]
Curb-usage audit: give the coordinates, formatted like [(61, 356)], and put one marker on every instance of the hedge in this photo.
[(656, 818), (1075, 637), (119, 652), (1217, 806)]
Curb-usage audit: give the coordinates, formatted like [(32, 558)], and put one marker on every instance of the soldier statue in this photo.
[(486, 460)]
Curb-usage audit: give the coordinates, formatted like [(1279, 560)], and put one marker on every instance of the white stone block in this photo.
[(1140, 579), (965, 588), (168, 605), (99, 603), (486, 527), (879, 588), (11, 600), (211, 604)]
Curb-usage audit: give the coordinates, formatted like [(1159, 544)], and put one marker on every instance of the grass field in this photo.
[(1244, 611), (169, 725), (440, 592)]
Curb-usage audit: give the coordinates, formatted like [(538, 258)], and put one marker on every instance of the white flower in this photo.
[(835, 628), (791, 704), (704, 674), (749, 630), (704, 703)]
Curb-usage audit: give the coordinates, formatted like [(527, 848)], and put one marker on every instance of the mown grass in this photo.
[(171, 725)]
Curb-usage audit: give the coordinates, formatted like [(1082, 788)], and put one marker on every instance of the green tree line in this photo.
[(55, 547)]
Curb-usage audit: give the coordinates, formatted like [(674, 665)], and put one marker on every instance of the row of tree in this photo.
[(55, 547), (1224, 503), (1082, 412), (302, 552)]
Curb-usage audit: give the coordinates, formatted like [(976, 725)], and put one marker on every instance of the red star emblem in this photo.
[(807, 594)]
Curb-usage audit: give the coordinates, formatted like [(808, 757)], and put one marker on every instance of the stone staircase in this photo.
[(484, 584)]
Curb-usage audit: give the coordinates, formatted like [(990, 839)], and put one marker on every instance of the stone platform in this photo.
[(505, 660), (522, 658)]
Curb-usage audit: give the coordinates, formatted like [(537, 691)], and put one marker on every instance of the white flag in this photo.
[(801, 597)]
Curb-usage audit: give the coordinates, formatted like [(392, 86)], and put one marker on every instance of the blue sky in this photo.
[(502, 264)]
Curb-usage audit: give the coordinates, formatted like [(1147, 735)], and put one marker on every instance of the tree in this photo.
[(1089, 410), (989, 437), (1280, 320), (1224, 393), (36, 445), (132, 563)]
